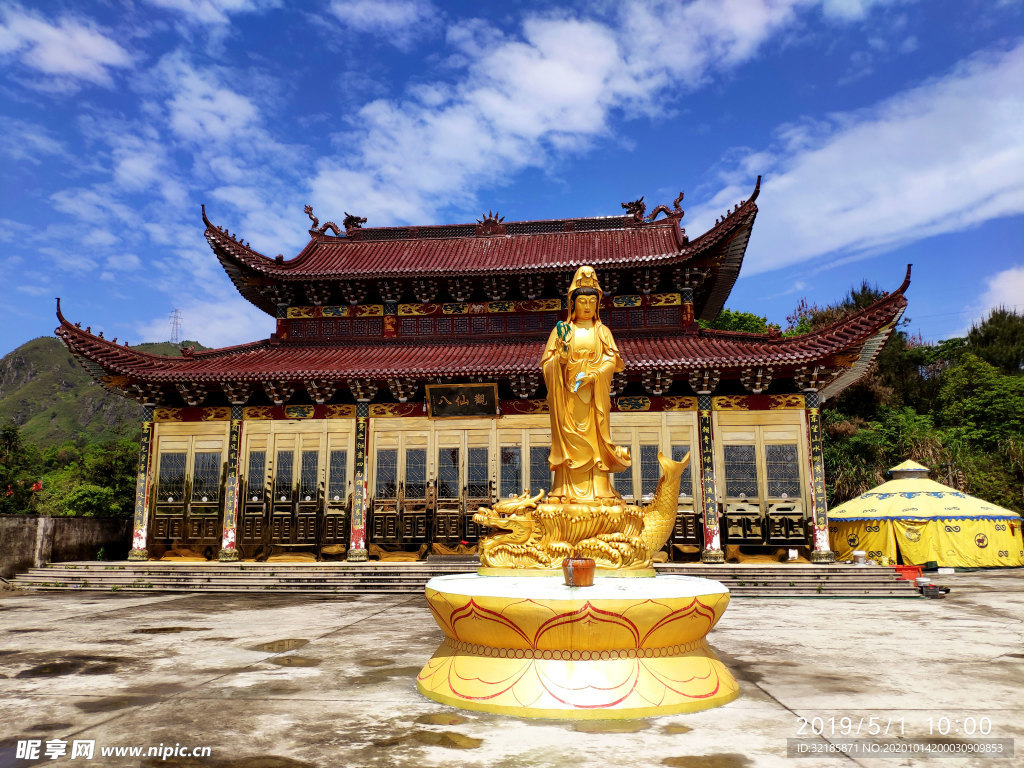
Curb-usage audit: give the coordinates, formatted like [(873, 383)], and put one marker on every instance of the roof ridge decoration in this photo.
[(676, 212), (490, 223)]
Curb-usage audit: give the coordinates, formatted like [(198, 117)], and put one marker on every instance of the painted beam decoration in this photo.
[(459, 401)]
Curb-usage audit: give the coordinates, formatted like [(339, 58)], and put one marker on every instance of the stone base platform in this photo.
[(533, 647)]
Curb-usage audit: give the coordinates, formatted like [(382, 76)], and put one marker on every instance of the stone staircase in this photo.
[(344, 578)]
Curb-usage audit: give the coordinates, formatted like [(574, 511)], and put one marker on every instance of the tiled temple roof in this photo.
[(512, 249), (845, 348)]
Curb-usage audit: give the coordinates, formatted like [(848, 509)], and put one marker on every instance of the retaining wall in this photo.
[(29, 542)]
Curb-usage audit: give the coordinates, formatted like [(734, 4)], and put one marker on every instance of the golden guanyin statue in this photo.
[(583, 515), (578, 363)]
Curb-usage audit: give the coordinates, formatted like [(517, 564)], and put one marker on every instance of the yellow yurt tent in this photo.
[(928, 523)]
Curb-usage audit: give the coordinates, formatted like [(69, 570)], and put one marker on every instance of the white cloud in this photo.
[(21, 140), (214, 11), (523, 101), (138, 164), (123, 262), (1003, 289), (200, 108), (68, 260), (400, 22), (69, 50), (214, 323), (99, 238), (94, 206), (849, 10), (938, 158)]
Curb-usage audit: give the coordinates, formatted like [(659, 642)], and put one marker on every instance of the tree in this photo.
[(745, 322), (999, 340), (980, 405), (19, 464)]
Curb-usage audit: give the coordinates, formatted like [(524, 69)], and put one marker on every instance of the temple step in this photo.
[(344, 578)]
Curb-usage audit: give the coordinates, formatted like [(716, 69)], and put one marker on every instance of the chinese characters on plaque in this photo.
[(453, 401)]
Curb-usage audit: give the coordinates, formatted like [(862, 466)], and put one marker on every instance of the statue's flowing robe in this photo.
[(581, 444)]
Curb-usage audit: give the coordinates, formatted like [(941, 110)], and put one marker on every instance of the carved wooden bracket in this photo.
[(278, 392), (656, 382), (320, 391), (192, 393), (237, 392), (704, 381), (756, 380)]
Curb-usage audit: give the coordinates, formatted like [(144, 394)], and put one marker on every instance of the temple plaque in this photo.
[(461, 401)]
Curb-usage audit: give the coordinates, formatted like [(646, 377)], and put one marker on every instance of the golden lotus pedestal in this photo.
[(533, 647)]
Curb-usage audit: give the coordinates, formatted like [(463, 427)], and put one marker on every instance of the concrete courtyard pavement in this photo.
[(293, 680)]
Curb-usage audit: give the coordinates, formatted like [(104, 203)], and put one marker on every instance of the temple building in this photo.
[(401, 389)]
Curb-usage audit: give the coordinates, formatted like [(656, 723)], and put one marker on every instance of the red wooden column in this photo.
[(140, 527), (357, 535), (228, 551), (822, 552), (712, 552)]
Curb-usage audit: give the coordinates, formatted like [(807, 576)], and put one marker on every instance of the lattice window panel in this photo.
[(284, 466), (375, 326), (514, 324), (337, 477), (448, 473), (686, 481), (740, 471), (782, 464), (511, 471), (171, 480), (650, 470), (257, 472), (426, 326), (548, 320), (531, 322), (387, 473), (636, 318), (206, 476), (540, 470), (479, 324), (477, 471), (444, 326), (309, 479), (408, 326), (416, 473), (461, 325)]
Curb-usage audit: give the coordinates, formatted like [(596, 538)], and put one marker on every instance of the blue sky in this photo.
[(887, 132)]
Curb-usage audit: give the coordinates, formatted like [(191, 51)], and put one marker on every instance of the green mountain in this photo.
[(46, 392)]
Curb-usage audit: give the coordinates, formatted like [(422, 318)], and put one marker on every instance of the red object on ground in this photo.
[(908, 572)]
